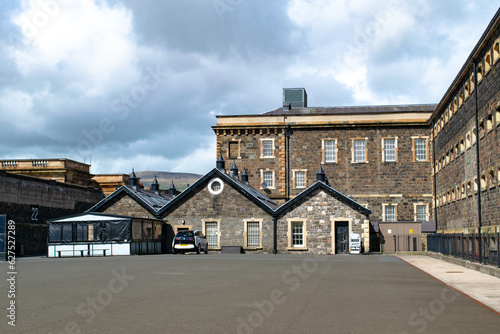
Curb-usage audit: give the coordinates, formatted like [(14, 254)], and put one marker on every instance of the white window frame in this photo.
[(204, 223), (414, 148), (262, 148), (385, 151), (291, 222), (384, 213), (215, 192), (415, 208), (295, 172), (354, 151), (332, 152), (246, 233), (262, 171)]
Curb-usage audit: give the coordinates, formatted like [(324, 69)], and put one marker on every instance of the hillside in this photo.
[(181, 180)]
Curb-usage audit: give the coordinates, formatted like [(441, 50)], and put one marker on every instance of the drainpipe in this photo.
[(288, 134), (275, 232), (434, 167), (478, 171)]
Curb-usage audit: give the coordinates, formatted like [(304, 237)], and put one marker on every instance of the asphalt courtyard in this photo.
[(226, 293)]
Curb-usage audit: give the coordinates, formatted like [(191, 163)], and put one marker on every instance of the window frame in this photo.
[(354, 151), (323, 151), (246, 233), (384, 212), (384, 149), (262, 172), (294, 178), (414, 148), (416, 214), (291, 222), (262, 149)]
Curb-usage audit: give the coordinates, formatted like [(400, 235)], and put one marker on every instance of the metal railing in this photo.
[(475, 247)]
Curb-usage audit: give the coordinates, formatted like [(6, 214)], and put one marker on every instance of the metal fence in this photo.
[(475, 247)]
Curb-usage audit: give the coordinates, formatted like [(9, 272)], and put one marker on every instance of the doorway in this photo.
[(341, 237)]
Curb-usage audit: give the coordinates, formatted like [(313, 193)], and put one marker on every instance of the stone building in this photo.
[(466, 130), (379, 155)]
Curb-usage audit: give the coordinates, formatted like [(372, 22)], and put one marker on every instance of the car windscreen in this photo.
[(184, 234)]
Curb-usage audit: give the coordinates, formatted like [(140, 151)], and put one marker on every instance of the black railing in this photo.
[(475, 247)]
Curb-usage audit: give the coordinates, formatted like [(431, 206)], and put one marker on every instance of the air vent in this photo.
[(294, 97)]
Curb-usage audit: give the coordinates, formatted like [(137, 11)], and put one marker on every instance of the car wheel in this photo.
[(173, 251), (198, 249), (206, 249)]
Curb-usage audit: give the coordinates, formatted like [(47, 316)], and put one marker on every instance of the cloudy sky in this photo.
[(139, 83)]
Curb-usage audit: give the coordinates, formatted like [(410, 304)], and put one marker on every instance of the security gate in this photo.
[(342, 237)]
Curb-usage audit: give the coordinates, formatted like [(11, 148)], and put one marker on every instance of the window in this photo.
[(299, 179), (487, 63), (359, 150), (297, 234), (233, 150), (253, 234), (212, 233), (496, 53), (215, 186), (489, 123), (389, 150), (389, 212), (421, 213), (479, 73), (329, 150), (267, 179), (267, 148), (420, 149)]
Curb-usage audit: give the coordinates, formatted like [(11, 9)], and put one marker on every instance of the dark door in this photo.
[(342, 237)]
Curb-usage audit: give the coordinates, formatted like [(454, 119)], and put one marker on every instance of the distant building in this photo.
[(110, 182)]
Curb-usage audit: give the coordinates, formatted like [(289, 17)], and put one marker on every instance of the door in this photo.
[(342, 237)]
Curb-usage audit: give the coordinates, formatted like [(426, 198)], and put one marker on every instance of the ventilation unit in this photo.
[(294, 97)]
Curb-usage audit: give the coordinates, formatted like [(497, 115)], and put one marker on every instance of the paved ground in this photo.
[(236, 294), (481, 287)]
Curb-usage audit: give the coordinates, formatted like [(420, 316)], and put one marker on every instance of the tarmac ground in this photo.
[(245, 293)]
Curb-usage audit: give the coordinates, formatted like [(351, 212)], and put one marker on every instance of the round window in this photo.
[(216, 186)]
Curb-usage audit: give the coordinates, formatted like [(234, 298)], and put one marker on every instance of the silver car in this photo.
[(189, 241)]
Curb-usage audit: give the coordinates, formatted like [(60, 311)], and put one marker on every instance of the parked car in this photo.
[(189, 241)]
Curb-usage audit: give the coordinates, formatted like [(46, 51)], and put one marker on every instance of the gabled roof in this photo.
[(321, 185), (150, 201), (253, 195)]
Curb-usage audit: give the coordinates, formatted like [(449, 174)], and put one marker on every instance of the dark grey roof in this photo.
[(415, 108), (253, 195), (147, 199), (339, 196)]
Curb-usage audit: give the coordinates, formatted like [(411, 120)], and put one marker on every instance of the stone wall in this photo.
[(456, 140), (403, 182), (126, 206), (320, 210), (230, 209), (31, 201)]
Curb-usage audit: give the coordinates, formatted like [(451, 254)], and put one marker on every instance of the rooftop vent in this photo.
[(294, 97)]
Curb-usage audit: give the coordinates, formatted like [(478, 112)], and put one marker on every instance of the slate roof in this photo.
[(253, 195), (149, 200), (414, 108), (323, 186)]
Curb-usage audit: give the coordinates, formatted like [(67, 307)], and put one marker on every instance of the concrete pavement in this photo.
[(482, 288)]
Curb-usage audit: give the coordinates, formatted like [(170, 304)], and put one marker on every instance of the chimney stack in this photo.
[(220, 164)]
